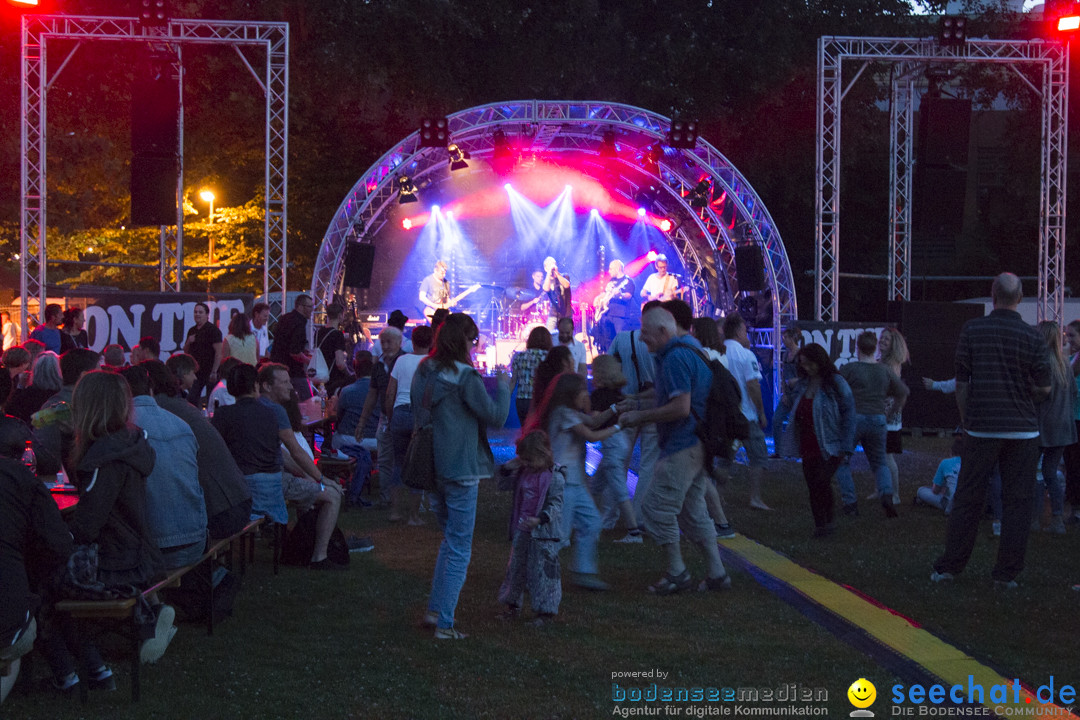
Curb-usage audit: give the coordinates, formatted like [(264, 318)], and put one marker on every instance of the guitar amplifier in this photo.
[(375, 320), (372, 317)]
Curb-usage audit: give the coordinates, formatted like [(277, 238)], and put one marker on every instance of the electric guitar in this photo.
[(429, 310)]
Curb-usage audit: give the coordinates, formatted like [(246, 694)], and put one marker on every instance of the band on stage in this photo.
[(513, 311)]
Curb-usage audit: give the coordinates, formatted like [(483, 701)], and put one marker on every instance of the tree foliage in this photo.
[(362, 73)]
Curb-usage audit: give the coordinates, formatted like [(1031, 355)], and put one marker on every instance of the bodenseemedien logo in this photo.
[(862, 694)]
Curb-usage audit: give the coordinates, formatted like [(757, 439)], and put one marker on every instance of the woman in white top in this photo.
[(240, 342), (399, 411)]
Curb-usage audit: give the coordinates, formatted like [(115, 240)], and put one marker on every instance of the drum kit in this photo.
[(504, 316)]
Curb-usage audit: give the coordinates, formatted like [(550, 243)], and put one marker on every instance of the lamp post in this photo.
[(208, 196)]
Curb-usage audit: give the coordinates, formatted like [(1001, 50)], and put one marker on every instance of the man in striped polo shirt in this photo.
[(1002, 372)]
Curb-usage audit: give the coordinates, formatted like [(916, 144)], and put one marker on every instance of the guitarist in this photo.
[(613, 306), (435, 289), (557, 288), (660, 285)]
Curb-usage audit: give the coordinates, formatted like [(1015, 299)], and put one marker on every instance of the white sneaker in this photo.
[(940, 576), (164, 631), (630, 538)]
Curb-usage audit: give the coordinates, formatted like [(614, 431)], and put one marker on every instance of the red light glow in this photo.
[(1068, 23), (32, 3), (664, 225), (407, 223)]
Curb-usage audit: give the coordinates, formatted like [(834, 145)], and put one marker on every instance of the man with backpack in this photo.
[(676, 498)]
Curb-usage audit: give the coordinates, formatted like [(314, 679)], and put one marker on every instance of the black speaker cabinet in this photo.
[(359, 261), (749, 268), (155, 113), (153, 190)]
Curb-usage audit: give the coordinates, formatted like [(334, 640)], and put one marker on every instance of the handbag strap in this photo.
[(633, 357)]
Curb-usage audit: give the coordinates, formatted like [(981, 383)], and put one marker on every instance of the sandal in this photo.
[(720, 583), (669, 584)]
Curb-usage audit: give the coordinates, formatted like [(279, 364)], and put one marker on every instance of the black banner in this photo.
[(123, 318)]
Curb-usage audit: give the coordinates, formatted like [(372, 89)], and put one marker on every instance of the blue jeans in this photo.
[(267, 498), (348, 445), (401, 429), (870, 433), (455, 509), (579, 513)]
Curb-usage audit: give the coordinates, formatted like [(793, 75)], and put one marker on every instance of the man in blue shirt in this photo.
[(49, 333), (676, 498)]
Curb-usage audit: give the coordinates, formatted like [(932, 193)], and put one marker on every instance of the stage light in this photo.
[(154, 12), (407, 223), (594, 212), (450, 215), (457, 157), (406, 190), (652, 256), (641, 212), (507, 187), (434, 209), (645, 197), (1068, 19), (433, 132), (609, 149), (664, 225), (683, 134), (32, 3), (953, 30), (699, 196)]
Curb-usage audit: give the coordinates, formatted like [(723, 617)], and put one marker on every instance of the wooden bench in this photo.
[(122, 610)]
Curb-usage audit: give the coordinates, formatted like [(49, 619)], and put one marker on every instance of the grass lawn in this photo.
[(348, 645)]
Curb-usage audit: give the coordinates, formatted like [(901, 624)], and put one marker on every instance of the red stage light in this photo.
[(33, 3), (407, 223), (1068, 23), (664, 225), (651, 256)]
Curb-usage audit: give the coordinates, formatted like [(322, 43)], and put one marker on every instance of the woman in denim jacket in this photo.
[(461, 411), (822, 429)]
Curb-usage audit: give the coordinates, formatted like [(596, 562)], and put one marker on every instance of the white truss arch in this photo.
[(704, 238)]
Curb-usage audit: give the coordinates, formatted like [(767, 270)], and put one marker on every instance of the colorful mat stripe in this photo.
[(903, 637)]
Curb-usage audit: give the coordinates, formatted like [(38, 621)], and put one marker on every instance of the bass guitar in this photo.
[(429, 310)]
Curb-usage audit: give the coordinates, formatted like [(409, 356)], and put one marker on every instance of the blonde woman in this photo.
[(893, 353), (1056, 430)]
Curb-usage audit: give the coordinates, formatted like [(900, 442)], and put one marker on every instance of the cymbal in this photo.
[(514, 293), (490, 286)]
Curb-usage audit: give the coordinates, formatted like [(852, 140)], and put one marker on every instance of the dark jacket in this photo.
[(33, 542), (111, 478)]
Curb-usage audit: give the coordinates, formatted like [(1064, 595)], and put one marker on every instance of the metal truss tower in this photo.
[(38, 30), (907, 56)]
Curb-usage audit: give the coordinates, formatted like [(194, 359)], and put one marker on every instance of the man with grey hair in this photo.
[(676, 498), (1002, 373), (390, 342)]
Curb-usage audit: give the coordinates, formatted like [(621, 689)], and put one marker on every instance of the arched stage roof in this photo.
[(705, 238)]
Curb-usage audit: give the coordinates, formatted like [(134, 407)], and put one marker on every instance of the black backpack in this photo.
[(724, 421)]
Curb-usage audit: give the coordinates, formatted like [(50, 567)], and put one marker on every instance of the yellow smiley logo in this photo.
[(862, 693)]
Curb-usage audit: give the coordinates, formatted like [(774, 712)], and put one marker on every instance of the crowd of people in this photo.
[(169, 455)]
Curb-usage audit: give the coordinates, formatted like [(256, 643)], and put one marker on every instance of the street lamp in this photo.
[(208, 196)]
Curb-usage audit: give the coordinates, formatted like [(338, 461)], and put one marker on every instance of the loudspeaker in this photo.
[(153, 190), (749, 268), (155, 110), (944, 131), (938, 208), (359, 261)]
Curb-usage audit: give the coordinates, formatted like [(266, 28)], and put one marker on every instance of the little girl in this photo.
[(609, 481), (565, 415), (535, 529)]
